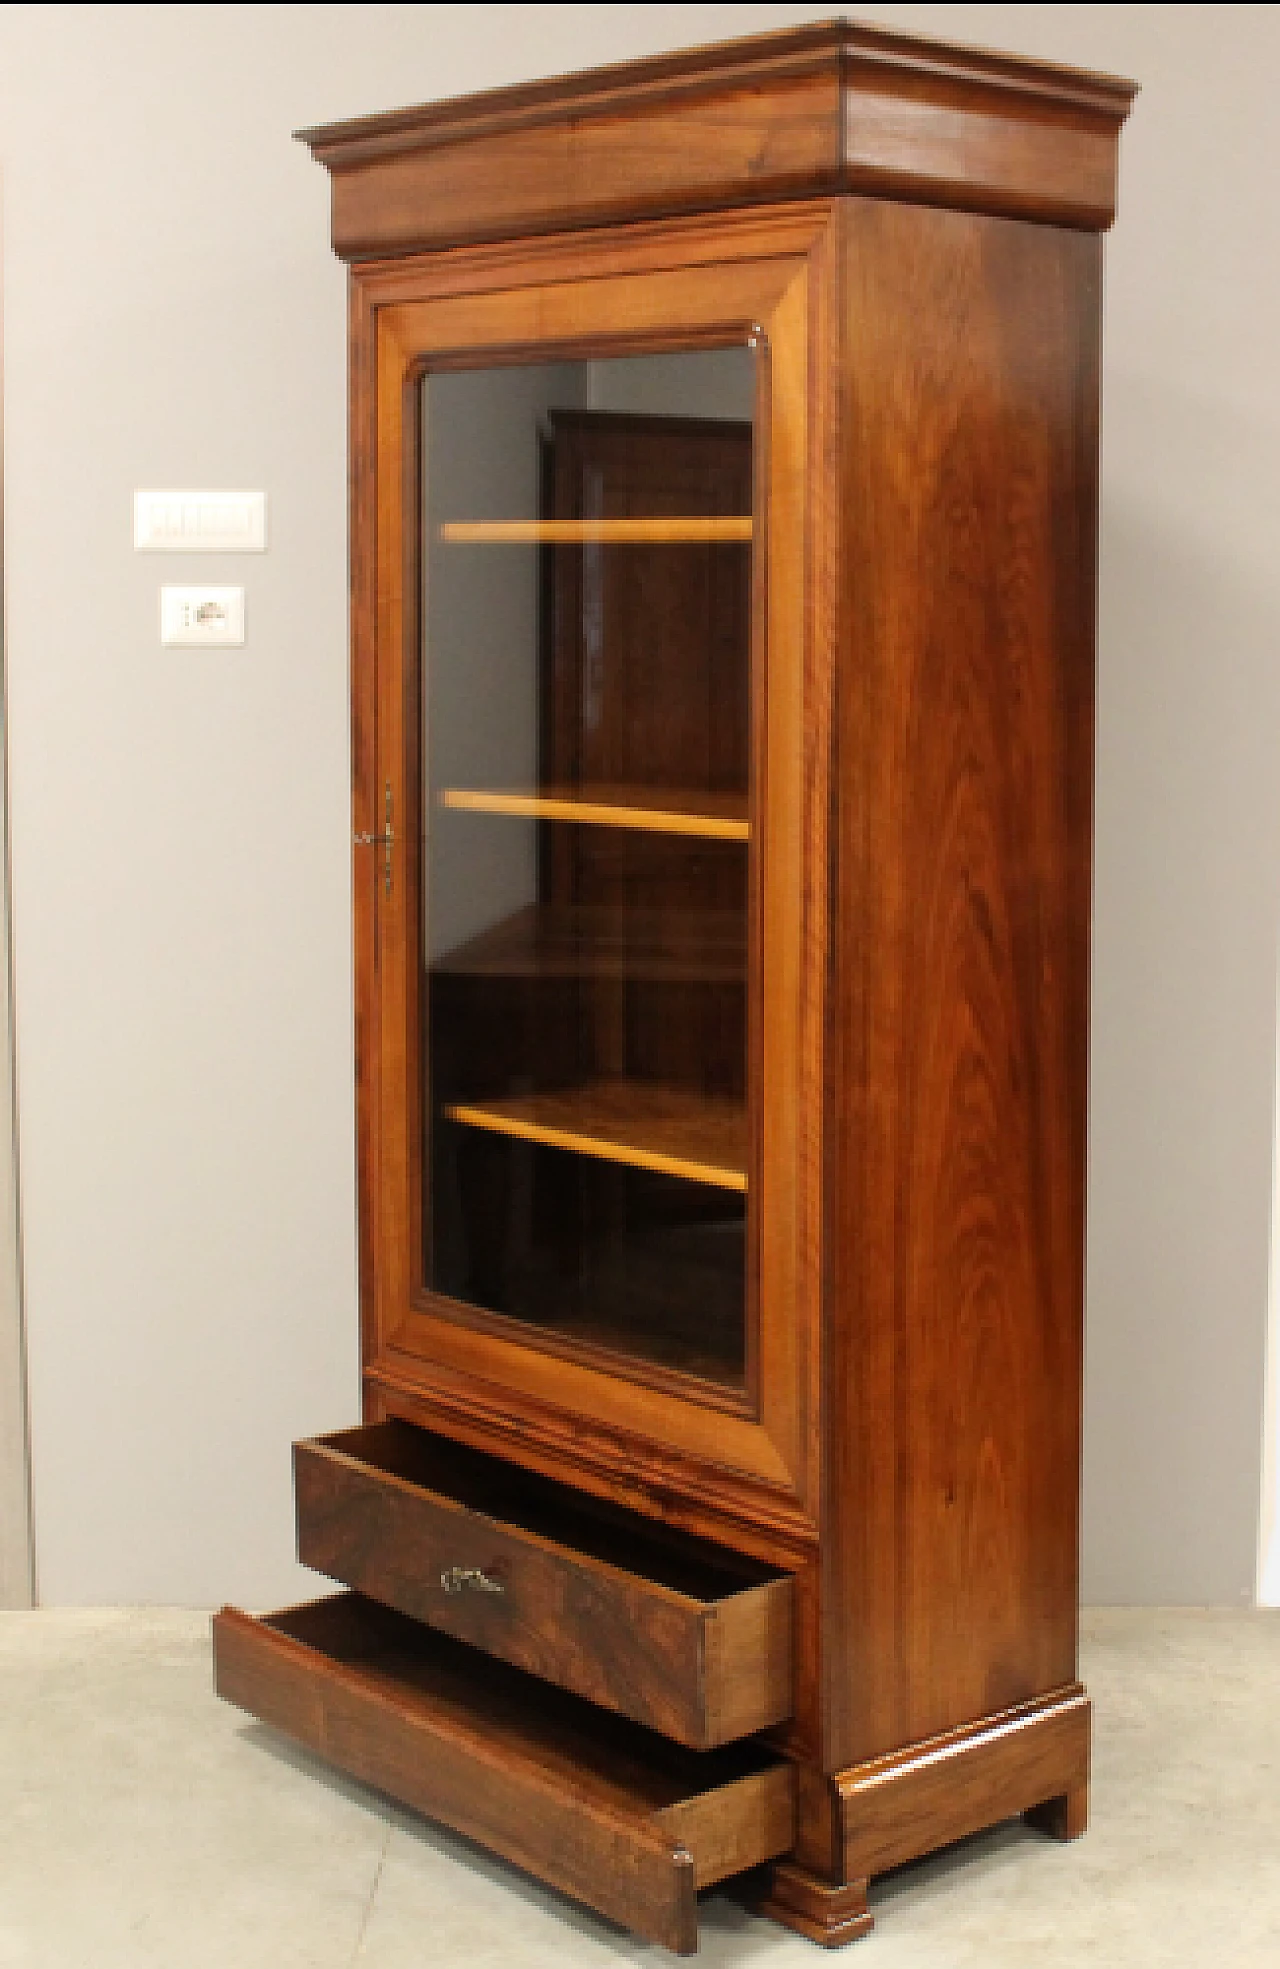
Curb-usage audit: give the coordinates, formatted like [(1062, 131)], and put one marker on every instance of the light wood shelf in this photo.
[(694, 530), (713, 816), (700, 1137)]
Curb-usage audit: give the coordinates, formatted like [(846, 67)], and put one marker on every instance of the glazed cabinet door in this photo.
[(590, 516)]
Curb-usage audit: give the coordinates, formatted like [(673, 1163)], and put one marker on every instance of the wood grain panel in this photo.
[(946, 140), (903, 1806), (799, 1900), (725, 239), (669, 1129), (649, 810), (693, 151), (694, 529), (367, 797), (957, 1109), (1032, 1760), (603, 1810), (673, 1632), (832, 107), (701, 1495)]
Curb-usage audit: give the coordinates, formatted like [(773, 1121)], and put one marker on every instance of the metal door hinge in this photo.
[(386, 841)]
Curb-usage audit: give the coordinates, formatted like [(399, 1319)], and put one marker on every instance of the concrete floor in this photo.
[(143, 1823)]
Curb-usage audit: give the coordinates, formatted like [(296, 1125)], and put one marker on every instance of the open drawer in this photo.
[(675, 1632), (600, 1808)]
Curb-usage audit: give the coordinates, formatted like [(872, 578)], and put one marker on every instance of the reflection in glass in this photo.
[(586, 817)]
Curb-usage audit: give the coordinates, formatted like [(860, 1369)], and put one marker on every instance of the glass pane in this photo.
[(586, 817)]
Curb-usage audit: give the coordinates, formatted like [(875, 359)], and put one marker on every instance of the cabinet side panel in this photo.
[(956, 1119)]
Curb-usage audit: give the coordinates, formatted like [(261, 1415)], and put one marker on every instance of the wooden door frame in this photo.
[(764, 272)]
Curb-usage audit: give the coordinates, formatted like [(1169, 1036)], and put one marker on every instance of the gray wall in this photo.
[(714, 383), (17, 1580), (180, 823)]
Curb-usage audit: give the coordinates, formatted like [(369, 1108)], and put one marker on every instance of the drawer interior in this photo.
[(530, 1502), (601, 1807), (608, 1754)]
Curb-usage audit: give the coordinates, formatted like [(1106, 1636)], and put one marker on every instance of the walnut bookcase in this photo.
[(723, 512)]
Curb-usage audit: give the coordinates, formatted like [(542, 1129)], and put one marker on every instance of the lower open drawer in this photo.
[(601, 1808)]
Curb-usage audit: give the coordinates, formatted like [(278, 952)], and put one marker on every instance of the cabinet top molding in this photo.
[(809, 112)]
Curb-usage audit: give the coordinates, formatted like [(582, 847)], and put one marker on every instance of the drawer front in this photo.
[(601, 1809), (669, 1631)]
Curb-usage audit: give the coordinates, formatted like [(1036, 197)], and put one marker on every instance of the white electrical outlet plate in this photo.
[(202, 618), (200, 522)]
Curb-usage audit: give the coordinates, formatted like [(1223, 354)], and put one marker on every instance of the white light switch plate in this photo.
[(202, 618), (200, 522)]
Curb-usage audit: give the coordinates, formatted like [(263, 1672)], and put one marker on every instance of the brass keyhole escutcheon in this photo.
[(469, 1579)]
